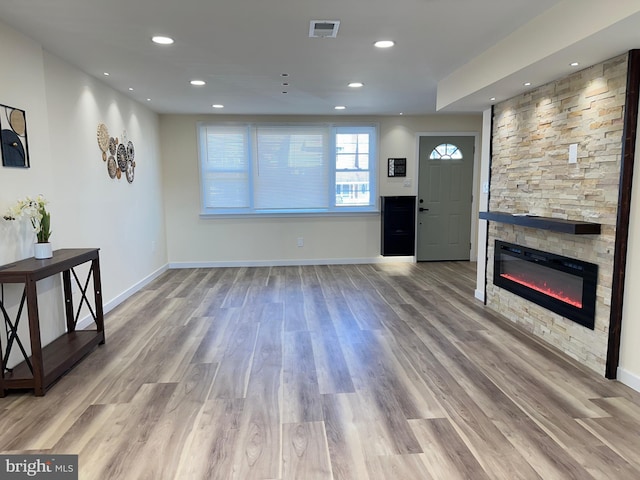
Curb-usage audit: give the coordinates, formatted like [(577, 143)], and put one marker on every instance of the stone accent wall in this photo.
[(531, 173)]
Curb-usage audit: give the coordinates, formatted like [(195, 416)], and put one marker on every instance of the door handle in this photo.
[(423, 209)]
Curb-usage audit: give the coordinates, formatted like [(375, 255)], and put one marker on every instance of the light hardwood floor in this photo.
[(390, 371)]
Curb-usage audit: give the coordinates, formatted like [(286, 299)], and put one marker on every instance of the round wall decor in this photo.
[(103, 137), (113, 145), (130, 171), (119, 157), (122, 157), (112, 166)]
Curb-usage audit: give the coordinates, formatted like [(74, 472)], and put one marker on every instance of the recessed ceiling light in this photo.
[(493, 99), (284, 74), (148, 99), (401, 113), (574, 64), (161, 40), (340, 107), (527, 84), (106, 74), (384, 43), (356, 84), (217, 105), (198, 83), (285, 84), (131, 89)]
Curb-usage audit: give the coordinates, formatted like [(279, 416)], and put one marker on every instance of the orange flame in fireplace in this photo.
[(544, 289)]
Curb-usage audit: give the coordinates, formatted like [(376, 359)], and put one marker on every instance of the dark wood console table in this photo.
[(47, 364)]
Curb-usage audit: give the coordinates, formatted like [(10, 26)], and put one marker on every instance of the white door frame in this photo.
[(474, 189)]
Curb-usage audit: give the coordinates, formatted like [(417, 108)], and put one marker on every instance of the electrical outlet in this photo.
[(300, 242)]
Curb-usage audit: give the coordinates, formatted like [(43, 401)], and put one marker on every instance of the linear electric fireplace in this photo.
[(561, 284)]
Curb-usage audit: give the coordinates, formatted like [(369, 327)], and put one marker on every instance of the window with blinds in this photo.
[(286, 169)]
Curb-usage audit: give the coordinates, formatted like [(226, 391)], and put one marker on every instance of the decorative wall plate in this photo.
[(131, 153), (112, 166), (103, 137), (104, 156), (122, 157), (130, 171), (113, 145)]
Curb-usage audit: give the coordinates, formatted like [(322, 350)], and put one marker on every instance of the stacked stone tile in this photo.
[(531, 173)]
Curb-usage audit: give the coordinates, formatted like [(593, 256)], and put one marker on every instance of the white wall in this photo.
[(629, 365), (483, 204), (23, 87), (125, 220), (63, 108), (192, 240)]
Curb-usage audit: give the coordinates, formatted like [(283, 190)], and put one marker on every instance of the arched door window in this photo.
[(446, 151)]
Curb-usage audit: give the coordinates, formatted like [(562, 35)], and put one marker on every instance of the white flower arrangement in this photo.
[(35, 210)]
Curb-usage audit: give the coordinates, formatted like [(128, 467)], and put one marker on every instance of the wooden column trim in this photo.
[(624, 210)]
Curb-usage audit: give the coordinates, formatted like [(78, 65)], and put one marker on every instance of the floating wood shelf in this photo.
[(544, 223)]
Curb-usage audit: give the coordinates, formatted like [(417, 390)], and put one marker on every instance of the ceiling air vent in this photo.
[(324, 28)]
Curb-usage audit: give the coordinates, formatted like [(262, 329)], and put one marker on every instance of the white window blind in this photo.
[(282, 169), (225, 167), (291, 171)]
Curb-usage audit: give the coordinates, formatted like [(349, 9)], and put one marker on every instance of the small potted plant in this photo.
[(40, 218)]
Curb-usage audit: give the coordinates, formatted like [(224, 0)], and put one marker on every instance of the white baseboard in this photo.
[(113, 303), (629, 379), (479, 294), (293, 263)]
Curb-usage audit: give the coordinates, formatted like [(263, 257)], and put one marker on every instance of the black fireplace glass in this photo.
[(561, 284)]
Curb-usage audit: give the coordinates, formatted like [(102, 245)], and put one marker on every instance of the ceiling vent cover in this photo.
[(324, 28)]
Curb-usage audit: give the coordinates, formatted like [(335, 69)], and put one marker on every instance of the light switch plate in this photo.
[(573, 153)]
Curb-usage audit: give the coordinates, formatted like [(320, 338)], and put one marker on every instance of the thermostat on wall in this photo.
[(397, 167)]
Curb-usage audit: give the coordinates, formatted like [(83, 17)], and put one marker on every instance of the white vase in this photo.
[(43, 250)]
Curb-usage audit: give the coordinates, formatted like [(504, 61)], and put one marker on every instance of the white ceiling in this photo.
[(241, 48)]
